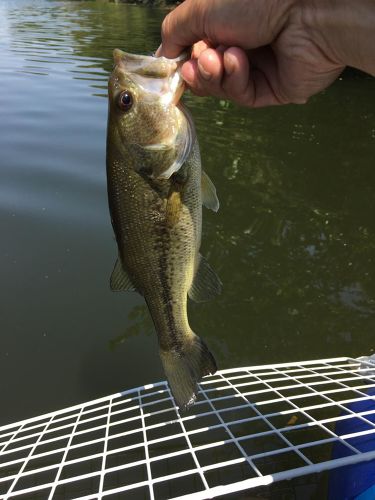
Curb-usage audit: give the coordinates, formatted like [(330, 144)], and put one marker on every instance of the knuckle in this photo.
[(165, 26)]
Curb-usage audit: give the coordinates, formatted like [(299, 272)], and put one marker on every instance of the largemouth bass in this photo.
[(156, 188)]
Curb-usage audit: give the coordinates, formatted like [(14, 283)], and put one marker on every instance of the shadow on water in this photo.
[(293, 242)]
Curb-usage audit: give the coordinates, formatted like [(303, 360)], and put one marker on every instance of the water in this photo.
[(293, 242)]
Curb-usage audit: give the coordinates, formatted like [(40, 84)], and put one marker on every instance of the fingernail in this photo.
[(229, 63), (187, 80), (187, 73), (205, 74)]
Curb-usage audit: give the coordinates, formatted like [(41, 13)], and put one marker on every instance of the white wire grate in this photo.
[(250, 427)]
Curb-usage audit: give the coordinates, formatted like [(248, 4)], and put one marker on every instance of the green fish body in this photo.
[(155, 186)]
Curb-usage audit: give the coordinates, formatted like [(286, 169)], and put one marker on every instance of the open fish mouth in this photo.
[(158, 76)]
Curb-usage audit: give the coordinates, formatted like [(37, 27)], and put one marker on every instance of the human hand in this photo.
[(254, 52)]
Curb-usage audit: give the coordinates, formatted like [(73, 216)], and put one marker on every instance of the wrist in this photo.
[(343, 30)]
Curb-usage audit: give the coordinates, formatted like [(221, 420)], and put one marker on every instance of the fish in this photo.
[(156, 188)]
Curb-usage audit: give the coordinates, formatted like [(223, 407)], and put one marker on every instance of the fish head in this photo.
[(145, 114)]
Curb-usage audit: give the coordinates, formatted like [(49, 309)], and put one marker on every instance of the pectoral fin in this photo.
[(120, 280), (174, 204), (209, 196), (206, 284)]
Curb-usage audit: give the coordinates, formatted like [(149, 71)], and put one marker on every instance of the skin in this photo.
[(268, 52)]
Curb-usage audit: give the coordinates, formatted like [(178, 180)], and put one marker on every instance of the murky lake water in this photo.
[(293, 242)]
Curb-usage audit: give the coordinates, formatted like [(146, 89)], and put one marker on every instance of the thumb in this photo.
[(243, 23)]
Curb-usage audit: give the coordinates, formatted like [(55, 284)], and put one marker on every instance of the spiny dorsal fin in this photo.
[(206, 284), (209, 196), (120, 280)]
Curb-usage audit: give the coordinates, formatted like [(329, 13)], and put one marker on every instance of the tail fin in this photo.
[(184, 369)]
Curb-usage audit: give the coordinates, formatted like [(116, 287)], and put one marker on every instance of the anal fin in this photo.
[(120, 280), (206, 284)]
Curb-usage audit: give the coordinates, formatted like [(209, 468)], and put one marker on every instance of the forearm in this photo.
[(344, 30)]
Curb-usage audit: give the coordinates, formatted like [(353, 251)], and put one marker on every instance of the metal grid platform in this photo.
[(250, 426)]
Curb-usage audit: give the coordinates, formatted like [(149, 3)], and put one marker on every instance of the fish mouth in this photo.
[(158, 76), (151, 66)]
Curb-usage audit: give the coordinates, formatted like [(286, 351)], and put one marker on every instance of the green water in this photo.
[(293, 242)]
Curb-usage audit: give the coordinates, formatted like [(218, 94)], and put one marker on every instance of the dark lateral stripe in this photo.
[(167, 303)]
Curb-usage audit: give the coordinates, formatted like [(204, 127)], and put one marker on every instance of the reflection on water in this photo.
[(293, 242), (139, 322)]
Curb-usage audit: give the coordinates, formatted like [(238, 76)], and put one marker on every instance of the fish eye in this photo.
[(125, 100)]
